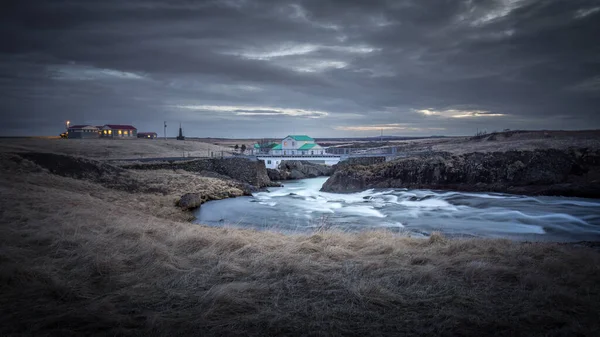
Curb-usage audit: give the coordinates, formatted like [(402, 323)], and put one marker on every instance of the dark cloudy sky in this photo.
[(245, 68)]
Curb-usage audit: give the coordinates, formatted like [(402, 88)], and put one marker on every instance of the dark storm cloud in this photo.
[(329, 67)]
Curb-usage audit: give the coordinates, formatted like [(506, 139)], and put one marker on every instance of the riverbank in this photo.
[(90, 254)]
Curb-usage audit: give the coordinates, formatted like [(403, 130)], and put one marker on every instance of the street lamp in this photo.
[(68, 123)]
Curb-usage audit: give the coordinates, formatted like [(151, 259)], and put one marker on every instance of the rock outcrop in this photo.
[(574, 172), (359, 161), (190, 201), (299, 169), (82, 168), (275, 175), (252, 172)]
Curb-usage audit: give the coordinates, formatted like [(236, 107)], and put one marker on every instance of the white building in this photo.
[(297, 145), (293, 147)]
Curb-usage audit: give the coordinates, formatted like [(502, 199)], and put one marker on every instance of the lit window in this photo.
[(120, 132), (105, 132), (148, 136), (110, 132)]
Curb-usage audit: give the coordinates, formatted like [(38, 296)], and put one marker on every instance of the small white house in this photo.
[(297, 145)]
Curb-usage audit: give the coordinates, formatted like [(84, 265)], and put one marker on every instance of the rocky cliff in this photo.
[(299, 169), (574, 172), (252, 172)]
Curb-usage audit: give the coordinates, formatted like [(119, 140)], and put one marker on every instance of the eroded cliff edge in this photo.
[(572, 172), (252, 172)]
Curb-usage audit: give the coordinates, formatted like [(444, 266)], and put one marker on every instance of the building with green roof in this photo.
[(298, 145), (292, 145), (301, 138)]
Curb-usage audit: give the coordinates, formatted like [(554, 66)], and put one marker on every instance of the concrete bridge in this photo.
[(273, 161)]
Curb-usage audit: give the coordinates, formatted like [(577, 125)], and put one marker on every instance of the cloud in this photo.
[(454, 113), (322, 67), (494, 11), (591, 85), (87, 73), (582, 13), (386, 127), (256, 111)]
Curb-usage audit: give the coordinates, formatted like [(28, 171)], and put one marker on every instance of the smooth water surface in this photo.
[(300, 206)]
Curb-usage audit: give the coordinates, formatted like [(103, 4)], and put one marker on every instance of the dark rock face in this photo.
[(299, 169), (275, 175), (252, 172), (74, 167), (85, 169), (190, 201), (541, 172)]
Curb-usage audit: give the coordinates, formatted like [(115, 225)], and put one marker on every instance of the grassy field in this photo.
[(511, 140), (498, 141), (114, 148), (144, 148), (95, 255)]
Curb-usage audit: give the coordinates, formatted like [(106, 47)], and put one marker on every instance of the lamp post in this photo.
[(68, 123)]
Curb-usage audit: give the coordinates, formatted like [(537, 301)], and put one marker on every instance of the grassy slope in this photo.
[(113, 149), (79, 258), (506, 141)]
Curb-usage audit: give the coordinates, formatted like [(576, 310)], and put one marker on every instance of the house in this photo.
[(118, 131), (297, 145), (147, 135), (82, 132)]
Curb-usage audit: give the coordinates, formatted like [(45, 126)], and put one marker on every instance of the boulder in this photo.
[(276, 175), (297, 174), (299, 169), (190, 201)]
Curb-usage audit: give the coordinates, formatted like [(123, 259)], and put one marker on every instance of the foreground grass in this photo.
[(78, 258)]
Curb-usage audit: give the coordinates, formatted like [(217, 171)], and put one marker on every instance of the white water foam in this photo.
[(301, 204)]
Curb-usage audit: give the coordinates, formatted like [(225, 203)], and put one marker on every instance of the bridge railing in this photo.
[(326, 155), (387, 151)]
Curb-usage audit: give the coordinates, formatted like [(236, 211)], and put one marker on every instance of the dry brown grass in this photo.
[(77, 258), (507, 141), (113, 149)]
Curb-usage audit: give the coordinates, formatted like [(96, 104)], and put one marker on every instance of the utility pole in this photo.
[(165, 131)]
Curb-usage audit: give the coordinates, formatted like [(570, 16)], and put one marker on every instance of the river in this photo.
[(299, 206)]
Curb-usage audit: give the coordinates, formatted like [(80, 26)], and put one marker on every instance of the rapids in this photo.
[(299, 206)]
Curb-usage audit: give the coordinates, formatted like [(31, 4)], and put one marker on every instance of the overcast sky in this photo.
[(327, 68)]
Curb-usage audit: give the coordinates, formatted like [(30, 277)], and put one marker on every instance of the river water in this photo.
[(299, 206)]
